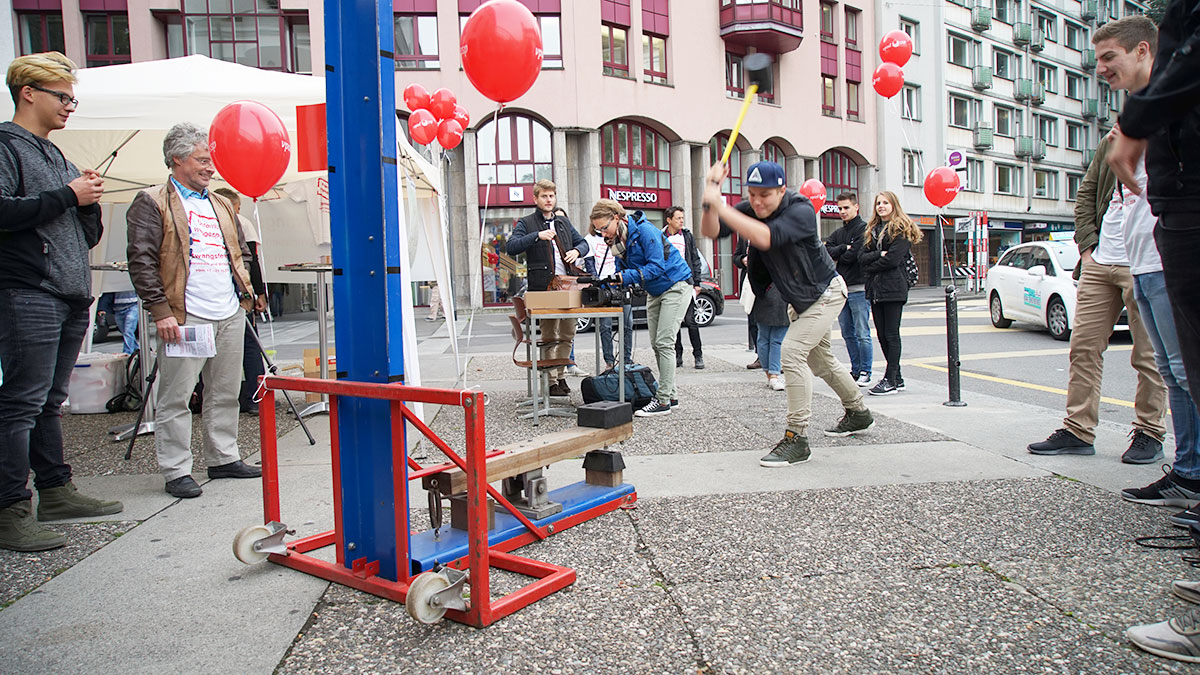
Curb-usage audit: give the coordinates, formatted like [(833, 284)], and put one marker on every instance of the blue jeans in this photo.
[(40, 338), (855, 321), (770, 339), (127, 323), (1155, 307), (605, 326)]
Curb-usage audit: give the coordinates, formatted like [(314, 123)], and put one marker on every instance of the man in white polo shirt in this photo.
[(187, 259)]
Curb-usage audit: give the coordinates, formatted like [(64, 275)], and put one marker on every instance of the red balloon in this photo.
[(449, 134), (250, 147), (896, 47), (941, 186), (462, 116), (502, 49), (416, 97), (422, 126), (441, 104), (815, 191), (888, 80)]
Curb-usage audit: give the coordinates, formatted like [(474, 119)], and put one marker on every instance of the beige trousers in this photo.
[(562, 332)]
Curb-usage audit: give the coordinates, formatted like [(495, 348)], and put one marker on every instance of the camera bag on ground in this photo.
[(640, 386)]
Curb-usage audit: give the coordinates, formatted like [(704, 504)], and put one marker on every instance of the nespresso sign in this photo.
[(636, 198)]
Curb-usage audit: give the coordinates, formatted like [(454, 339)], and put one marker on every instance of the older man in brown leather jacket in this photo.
[(187, 259)]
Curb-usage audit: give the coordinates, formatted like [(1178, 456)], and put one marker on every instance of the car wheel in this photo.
[(1056, 319), (705, 311), (583, 324), (997, 312)]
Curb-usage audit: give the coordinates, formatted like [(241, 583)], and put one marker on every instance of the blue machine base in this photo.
[(452, 544)]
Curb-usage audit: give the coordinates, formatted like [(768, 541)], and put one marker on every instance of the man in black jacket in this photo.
[(681, 238), (786, 252), (552, 246), (49, 220), (844, 245)]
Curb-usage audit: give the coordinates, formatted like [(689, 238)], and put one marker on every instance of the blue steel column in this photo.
[(364, 218)]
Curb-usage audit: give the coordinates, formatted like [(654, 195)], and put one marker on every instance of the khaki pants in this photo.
[(562, 333), (664, 314), (807, 350), (222, 383), (1103, 291)]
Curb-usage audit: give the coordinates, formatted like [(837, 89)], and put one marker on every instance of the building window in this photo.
[(254, 36), (959, 51), (733, 75), (852, 100), (634, 155), (731, 189), (838, 173), (1045, 184), (41, 32), (960, 112), (910, 102), (1132, 10), (1005, 122), (973, 180), (416, 42), (913, 29), (1005, 11), (1048, 25), (1073, 183), (1048, 130), (1048, 77), (107, 38), (829, 96), (514, 150), (1008, 180), (1076, 36), (911, 160), (851, 27), (1075, 136), (1076, 86), (826, 22), (1005, 64), (654, 58), (771, 152), (614, 50), (300, 38)]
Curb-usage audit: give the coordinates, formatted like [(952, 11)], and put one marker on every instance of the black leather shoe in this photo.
[(184, 488), (238, 469)]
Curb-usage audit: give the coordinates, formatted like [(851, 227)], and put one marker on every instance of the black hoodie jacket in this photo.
[(844, 246)]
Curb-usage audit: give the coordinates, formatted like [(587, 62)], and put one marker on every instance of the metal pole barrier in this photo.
[(952, 363)]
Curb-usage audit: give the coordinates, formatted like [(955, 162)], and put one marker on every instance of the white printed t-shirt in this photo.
[(1111, 249), (606, 264), (1139, 230), (210, 293)]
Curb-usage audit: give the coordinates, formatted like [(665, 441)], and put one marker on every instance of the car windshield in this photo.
[(1066, 256)]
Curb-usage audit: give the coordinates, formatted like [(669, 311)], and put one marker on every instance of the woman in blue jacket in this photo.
[(644, 258)]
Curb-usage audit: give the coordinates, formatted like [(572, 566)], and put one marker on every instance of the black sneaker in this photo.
[(792, 449), (754, 366), (852, 422), (674, 402), (1143, 449), (237, 469), (899, 384), (1163, 492), (699, 363), (184, 488), (679, 360), (1186, 519), (653, 409), (1062, 442), (559, 388), (883, 388)]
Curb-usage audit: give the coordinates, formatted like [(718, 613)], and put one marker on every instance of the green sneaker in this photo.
[(67, 502), (793, 449), (852, 422), (20, 532)]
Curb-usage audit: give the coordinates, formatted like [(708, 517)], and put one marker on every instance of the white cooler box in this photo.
[(97, 378)]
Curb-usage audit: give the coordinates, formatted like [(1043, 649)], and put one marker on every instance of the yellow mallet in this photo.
[(759, 74)]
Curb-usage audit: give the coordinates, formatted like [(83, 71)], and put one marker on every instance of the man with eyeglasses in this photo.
[(187, 259), (49, 220)]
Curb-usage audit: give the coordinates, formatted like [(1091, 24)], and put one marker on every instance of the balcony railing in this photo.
[(775, 26), (981, 77), (1038, 43), (1023, 89), (1022, 34), (1028, 146), (1039, 94), (981, 18), (1089, 9), (982, 136), (1091, 108), (1088, 59)]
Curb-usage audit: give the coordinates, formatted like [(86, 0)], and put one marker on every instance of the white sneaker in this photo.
[(776, 383), (574, 371), (864, 380)]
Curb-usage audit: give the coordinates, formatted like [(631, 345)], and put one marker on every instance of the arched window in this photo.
[(634, 155), (839, 173), (771, 152), (732, 187), (514, 150)]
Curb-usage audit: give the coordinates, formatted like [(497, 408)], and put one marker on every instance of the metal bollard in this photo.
[(952, 362)]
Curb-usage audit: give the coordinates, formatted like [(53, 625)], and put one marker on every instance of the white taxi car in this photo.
[(1032, 282)]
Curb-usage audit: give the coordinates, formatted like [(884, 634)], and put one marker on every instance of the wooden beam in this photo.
[(530, 454)]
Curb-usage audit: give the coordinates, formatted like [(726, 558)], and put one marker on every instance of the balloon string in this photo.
[(487, 196)]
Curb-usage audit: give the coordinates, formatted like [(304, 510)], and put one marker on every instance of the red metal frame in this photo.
[(361, 574)]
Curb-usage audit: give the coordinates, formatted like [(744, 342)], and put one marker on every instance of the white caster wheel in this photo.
[(243, 544), (421, 592)]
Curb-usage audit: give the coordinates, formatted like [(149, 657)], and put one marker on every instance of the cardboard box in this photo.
[(553, 299), (312, 368)]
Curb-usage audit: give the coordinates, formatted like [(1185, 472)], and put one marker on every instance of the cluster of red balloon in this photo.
[(250, 147), (815, 191), (895, 49), (437, 115)]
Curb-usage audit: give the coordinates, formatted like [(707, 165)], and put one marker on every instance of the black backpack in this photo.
[(640, 386)]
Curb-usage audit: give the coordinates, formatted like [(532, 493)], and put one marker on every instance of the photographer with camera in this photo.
[(786, 252), (645, 258), (552, 247)]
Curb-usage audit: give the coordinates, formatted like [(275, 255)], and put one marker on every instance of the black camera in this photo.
[(607, 292)]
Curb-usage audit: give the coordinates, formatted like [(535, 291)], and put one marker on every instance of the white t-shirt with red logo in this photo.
[(210, 293)]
